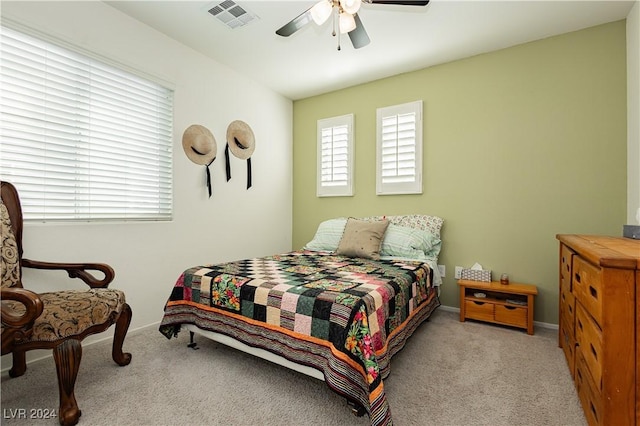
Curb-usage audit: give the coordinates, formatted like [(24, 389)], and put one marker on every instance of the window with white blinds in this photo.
[(335, 156), (80, 139), (399, 149)]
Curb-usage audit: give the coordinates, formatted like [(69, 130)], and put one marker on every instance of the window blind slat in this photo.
[(82, 140)]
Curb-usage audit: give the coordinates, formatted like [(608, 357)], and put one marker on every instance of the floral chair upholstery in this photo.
[(57, 320)]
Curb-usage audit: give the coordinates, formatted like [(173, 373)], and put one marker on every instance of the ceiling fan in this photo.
[(346, 14)]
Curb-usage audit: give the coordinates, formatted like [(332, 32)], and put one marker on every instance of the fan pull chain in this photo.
[(333, 23), (333, 32)]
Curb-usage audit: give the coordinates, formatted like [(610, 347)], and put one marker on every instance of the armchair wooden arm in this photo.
[(77, 270), (18, 324)]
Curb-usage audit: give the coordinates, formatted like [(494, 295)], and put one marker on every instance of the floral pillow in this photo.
[(431, 224)]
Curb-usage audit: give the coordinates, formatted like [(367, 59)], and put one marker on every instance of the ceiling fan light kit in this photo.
[(348, 20), (321, 11)]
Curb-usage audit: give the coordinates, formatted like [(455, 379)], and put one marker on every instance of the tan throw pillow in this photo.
[(362, 238)]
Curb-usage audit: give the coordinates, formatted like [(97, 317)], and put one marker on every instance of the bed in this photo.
[(338, 309)]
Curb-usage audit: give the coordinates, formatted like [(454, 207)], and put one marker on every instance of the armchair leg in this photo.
[(122, 325), (19, 364), (67, 356)]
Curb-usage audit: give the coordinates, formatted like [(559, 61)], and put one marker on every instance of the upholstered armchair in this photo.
[(57, 320)]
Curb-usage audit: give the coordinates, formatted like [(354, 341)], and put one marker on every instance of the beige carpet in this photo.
[(450, 373)]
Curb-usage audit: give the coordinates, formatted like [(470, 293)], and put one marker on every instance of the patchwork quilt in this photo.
[(343, 316)]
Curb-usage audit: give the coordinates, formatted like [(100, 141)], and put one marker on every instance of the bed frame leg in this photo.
[(356, 408), (192, 344)]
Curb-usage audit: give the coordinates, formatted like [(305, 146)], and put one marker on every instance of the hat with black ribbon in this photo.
[(201, 148), (241, 142)]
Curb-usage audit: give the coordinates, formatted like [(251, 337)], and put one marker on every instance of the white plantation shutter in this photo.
[(399, 149), (335, 156), (82, 140), (335, 167)]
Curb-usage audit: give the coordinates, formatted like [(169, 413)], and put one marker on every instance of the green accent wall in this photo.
[(519, 145)]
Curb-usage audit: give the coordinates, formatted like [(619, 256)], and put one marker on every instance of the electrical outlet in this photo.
[(458, 272), (442, 269)]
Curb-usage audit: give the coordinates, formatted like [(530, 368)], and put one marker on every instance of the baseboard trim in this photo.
[(540, 324)]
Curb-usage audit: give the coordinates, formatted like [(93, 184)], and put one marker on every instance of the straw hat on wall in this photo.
[(201, 148), (199, 144), (241, 142)]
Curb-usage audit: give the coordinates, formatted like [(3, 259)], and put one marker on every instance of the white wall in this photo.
[(234, 223), (633, 115)]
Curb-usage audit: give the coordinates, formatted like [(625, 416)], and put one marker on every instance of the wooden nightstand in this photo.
[(510, 304)]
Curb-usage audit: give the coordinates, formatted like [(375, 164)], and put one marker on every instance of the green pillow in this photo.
[(328, 235), (401, 241)]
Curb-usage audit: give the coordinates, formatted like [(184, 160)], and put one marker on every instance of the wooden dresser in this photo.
[(599, 324)]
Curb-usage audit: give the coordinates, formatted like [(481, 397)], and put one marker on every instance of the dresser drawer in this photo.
[(479, 310), (568, 342), (589, 341), (590, 397), (587, 287), (568, 308), (512, 315), (566, 262)]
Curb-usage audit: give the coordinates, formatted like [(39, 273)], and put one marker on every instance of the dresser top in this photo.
[(611, 252)]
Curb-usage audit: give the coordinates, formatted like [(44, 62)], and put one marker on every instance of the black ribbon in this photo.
[(227, 165), (248, 172), (209, 177)]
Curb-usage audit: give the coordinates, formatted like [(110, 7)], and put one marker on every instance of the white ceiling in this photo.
[(403, 38)]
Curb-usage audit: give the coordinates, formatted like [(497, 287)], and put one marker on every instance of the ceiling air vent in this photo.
[(232, 14)]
